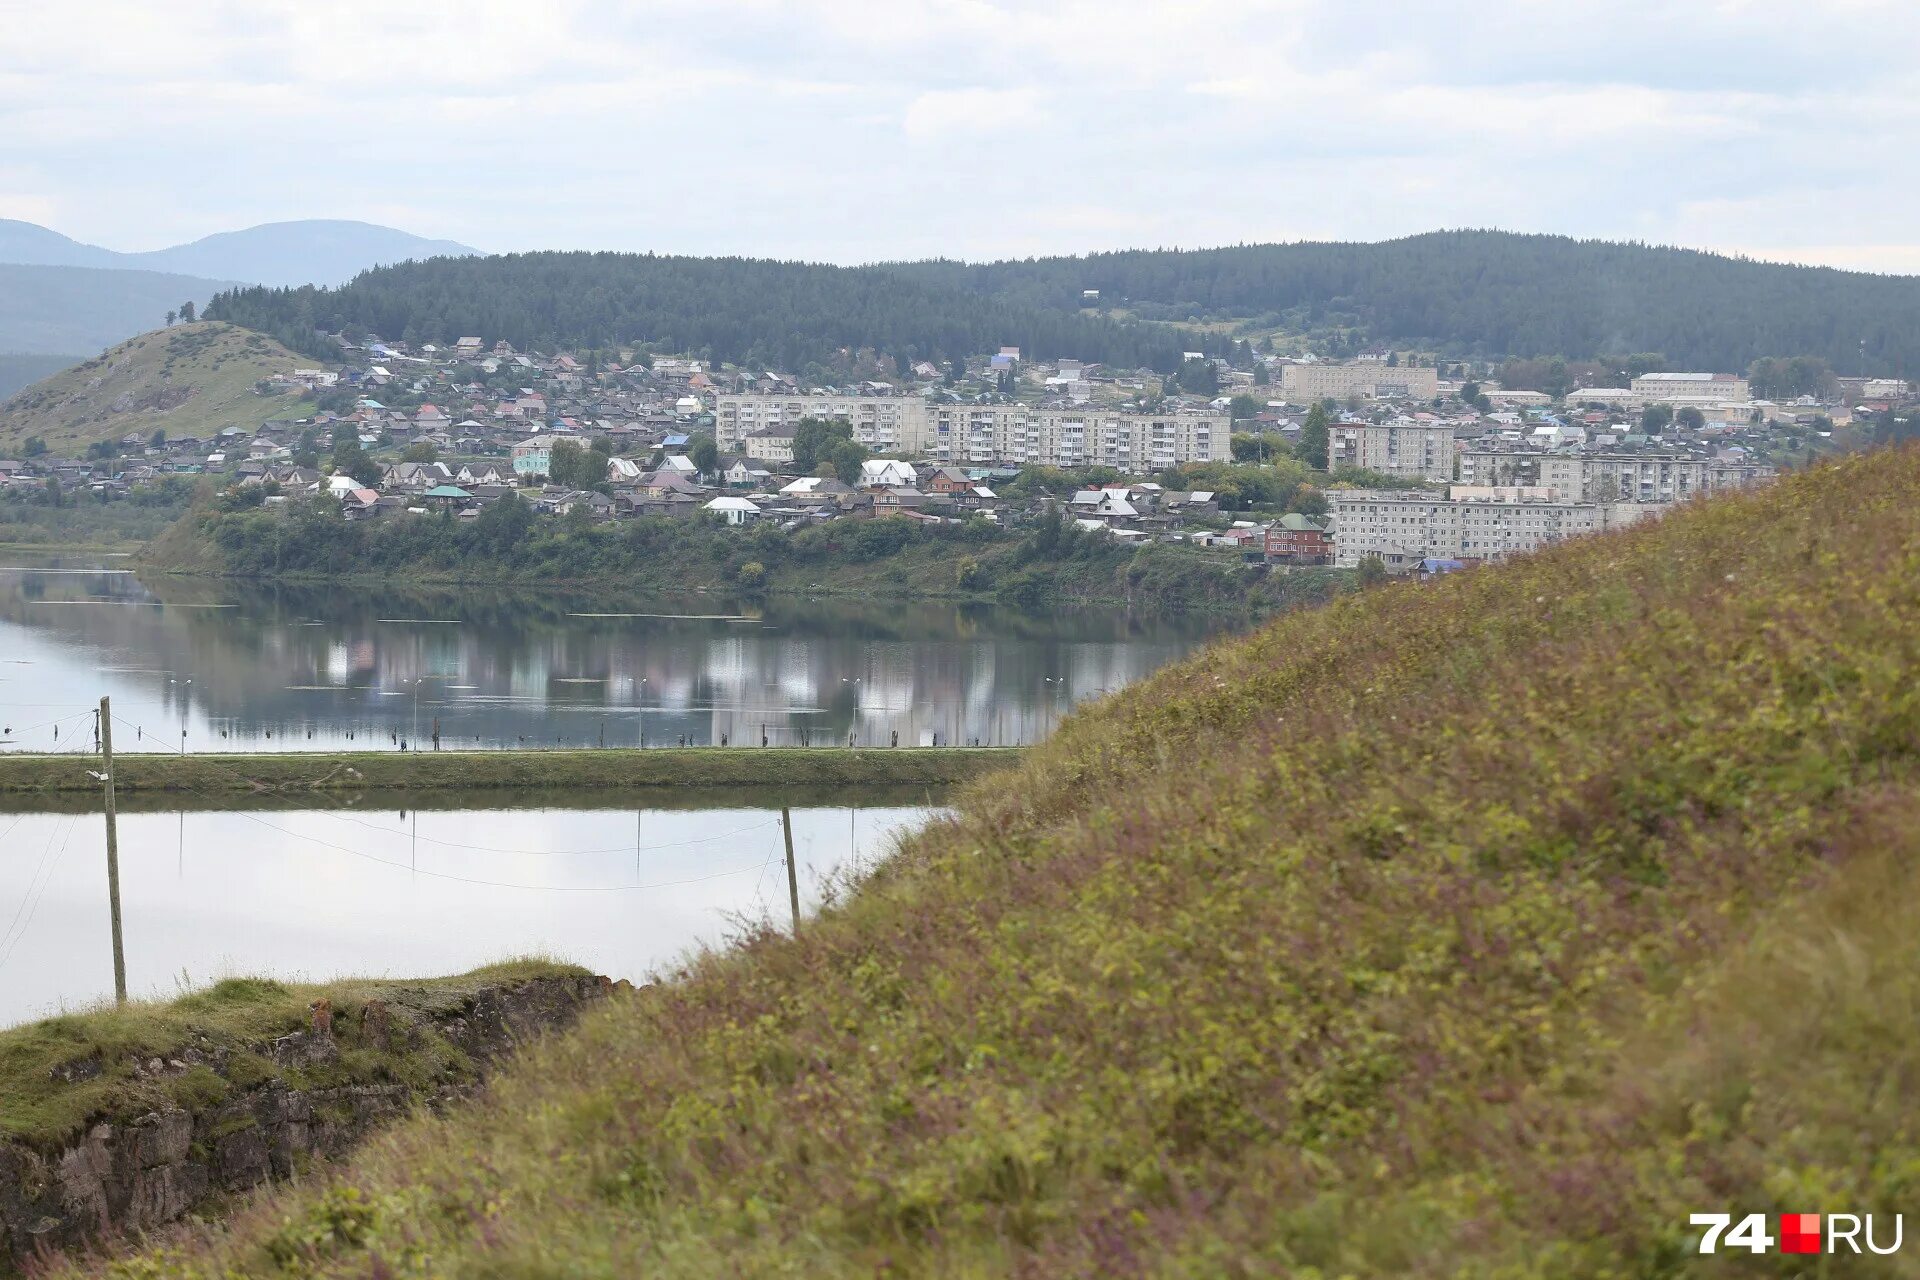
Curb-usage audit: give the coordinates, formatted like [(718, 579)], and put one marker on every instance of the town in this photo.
[(1419, 465)]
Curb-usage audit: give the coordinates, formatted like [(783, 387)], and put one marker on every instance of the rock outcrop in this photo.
[(133, 1173)]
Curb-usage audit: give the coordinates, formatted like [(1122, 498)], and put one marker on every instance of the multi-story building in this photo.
[(1374, 379), (1659, 388), (1405, 448), (1003, 432), (770, 444), (533, 456), (885, 424), (1610, 475), (1465, 522)]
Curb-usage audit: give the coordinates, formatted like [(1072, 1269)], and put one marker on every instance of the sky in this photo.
[(849, 132)]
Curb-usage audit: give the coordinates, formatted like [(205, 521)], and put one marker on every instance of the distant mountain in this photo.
[(58, 310), (315, 251), (17, 371)]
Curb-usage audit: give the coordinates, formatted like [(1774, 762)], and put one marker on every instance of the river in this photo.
[(208, 665), (626, 885), (314, 890)]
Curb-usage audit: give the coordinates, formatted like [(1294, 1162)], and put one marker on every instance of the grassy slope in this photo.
[(239, 1014), (192, 379), (1485, 928)]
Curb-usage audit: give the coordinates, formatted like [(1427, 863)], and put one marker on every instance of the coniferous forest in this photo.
[(1464, 294)]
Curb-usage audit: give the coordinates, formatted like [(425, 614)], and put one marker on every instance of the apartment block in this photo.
[(1654, 388), (885, 424), (985, 434), (1373, 379), (1611, 476), (1405, 448), (1464, 522)]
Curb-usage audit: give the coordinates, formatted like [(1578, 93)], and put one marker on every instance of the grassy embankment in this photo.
[(192, 379), (1482, 928), (238, 1014), (292, 772)]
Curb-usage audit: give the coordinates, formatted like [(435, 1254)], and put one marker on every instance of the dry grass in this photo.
[(190, 380), (1486, 928)]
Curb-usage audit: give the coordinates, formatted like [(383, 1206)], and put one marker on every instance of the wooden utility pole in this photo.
[(793, 874), (113, 853)]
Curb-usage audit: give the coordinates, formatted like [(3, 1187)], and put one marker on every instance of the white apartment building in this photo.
[(1465, 522), (983, 434), (885, 424), (769, 444), (1374, 379), (1662, 388), (1611, 476), (1405, 448)]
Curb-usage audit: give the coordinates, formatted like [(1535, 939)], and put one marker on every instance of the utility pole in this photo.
[(113, 854), (793, 875)]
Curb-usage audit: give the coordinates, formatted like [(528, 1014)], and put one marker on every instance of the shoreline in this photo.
[(294, 772), (1246, 606)]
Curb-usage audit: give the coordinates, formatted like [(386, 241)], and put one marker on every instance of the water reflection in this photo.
[(321, 892), (201, 665)]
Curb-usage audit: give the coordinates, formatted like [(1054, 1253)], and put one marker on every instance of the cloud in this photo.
[(848, 130), (988, 116)]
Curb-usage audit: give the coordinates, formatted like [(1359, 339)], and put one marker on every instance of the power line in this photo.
[(12, 941), (496, 884), (547, 853)]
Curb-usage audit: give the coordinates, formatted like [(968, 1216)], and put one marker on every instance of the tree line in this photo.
[(1487, 295), (751, 312), (1469, 295)]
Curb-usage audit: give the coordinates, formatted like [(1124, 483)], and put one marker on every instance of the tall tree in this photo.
[(1313, 437)]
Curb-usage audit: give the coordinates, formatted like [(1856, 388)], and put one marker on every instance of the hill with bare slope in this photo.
[(1482, 928), (189, 380)]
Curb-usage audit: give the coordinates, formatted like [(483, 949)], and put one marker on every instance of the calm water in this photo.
[(210, 665), (316, 893)]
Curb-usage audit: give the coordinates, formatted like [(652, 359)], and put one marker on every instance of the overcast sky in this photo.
[(904, 128)]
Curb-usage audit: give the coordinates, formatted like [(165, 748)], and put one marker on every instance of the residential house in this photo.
[(734, 510), (533, 456), (1299, 539)]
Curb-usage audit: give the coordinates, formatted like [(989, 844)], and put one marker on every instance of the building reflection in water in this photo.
[(248, 666)]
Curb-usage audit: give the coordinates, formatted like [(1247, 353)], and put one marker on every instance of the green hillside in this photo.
[(1491, 294), (1477, 294), (189, 380), (1482, 928)]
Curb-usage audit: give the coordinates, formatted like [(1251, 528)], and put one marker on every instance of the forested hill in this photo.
[(744, 310), (1493, 293), (1482, 294)]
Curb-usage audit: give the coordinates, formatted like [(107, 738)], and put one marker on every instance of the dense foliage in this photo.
[(1047, 563), (1477, 294), (1487, 927), (748, 311), (1487, 294), (45, 515)]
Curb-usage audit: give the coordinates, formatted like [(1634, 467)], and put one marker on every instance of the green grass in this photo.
[(1481, 928), (239, 1015), (190, 380), (292, 772)]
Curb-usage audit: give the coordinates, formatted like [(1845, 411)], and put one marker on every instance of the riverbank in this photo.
[(119, 1120), (888, 558), (292, 772)]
